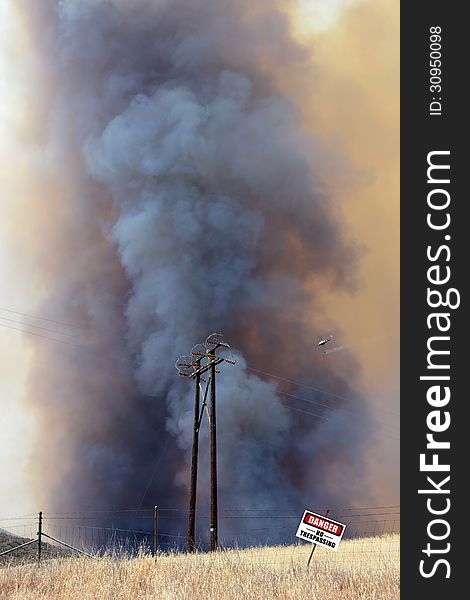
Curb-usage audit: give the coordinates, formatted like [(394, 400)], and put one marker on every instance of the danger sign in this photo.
[(320, 530)]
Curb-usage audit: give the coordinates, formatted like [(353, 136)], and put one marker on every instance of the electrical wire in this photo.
[(54, 331), (299, 410), (37, 317), (311, 387), (272, 375), (40, 335), (150, 480), (347, 412)]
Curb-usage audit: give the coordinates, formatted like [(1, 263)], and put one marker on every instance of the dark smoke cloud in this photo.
[(188, 204)]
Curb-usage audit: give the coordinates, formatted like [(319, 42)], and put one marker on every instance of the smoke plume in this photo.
[(180, 195)]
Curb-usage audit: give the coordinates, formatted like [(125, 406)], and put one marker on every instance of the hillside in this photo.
[(27, 554), (362, 569)]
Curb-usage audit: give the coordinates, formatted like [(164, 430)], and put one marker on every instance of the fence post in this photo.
[(155, 531), (39, 536)]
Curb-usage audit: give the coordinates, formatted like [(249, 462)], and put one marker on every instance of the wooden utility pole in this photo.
[(213, 464), (188, 366), (194, 459)]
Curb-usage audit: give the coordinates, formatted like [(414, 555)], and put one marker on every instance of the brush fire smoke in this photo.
[(180, 196)]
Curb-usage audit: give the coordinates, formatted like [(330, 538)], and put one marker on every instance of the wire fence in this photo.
[(371, 532)]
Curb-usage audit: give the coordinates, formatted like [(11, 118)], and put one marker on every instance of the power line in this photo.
[(37, 317), (150, 481), (250, 368), (54, 331), (326, 419), (314, 388), (272, 375), (272, 509), (20, 518), (347, 412), (101, 512), (304, 412), (313, 402), (292, 381), (67, 343), (40, 335)]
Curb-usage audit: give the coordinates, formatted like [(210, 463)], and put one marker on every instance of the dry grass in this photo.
[(366, 569)]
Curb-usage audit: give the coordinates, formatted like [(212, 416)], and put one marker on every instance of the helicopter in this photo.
[(324, 341)]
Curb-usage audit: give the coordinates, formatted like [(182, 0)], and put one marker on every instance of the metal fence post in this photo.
[(155, 531), (39, 536)]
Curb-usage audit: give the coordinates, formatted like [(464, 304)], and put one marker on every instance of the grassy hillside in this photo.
[(363, 569), (27, 554)]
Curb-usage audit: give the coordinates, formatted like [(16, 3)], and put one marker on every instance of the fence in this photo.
[(369, 531)]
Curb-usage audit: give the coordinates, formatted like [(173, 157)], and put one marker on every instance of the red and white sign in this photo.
[(320, 530)]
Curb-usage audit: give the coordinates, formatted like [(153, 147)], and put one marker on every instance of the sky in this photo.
[(352, 105), (16, 424)]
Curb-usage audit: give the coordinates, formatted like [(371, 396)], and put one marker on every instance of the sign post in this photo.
[(314, 545)]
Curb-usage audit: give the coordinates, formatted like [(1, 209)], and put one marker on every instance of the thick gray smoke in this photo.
[(188, 204)]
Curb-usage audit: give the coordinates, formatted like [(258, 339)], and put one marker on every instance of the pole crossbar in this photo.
[(205, 368)]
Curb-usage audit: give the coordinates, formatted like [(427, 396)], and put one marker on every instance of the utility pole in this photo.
[(194, 458), (213, 464), (203, 359)]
